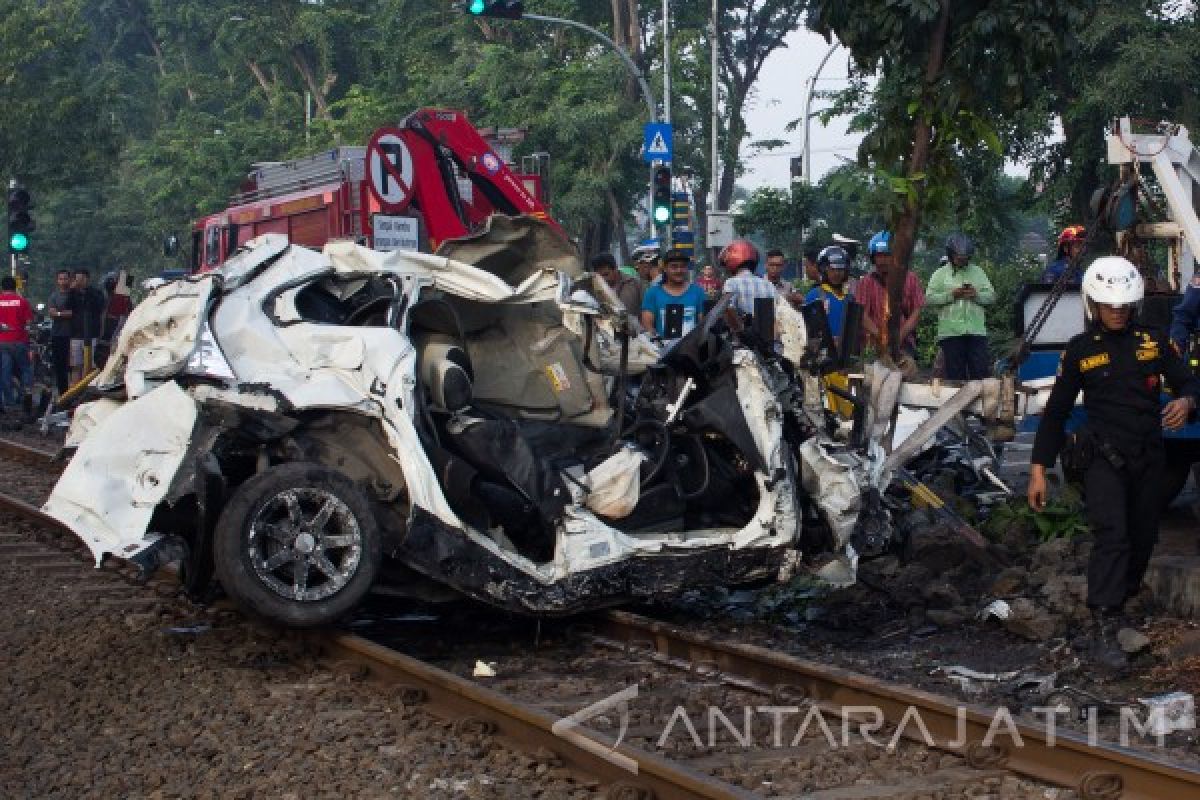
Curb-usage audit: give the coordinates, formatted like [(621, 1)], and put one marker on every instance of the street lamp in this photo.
[(812, 85)]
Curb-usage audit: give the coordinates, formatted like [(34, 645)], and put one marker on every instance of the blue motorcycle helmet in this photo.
[(880, 243)]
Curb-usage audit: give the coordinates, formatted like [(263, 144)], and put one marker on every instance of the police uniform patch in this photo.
[(1091, 362), (1148, 352)]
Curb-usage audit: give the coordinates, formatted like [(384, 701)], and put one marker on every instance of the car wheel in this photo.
[(297, 544)]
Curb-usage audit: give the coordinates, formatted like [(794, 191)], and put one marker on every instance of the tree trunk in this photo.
[(736, 131), (633, 31), (904, 232), (256, 70), (310, 80), (158, 53), (617, 215)]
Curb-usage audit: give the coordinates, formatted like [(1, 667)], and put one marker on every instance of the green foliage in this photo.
[(1062, 517), (849, 201), (1133, 59), (137, 116), (779, 215), (955, 83)]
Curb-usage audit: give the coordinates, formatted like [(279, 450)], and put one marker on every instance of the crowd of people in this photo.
[(669, 302), (83, 319)]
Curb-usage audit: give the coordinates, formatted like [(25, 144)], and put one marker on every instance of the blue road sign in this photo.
[(656, 142)]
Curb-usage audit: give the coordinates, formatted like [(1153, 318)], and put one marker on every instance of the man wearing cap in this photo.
[(648, 267), (671, 309)]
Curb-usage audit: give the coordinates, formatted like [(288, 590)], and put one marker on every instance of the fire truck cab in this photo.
[(453, 181)]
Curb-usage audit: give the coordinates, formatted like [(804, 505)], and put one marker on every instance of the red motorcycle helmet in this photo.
[(739, 254), (1072, 233)]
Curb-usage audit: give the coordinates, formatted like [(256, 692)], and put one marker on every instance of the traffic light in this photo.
[(504, 9), (20, 222), (660, 195)]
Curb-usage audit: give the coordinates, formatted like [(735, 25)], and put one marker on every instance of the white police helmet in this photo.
[(1114, 281)]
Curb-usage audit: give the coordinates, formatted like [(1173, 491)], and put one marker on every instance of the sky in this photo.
[(779, 99)]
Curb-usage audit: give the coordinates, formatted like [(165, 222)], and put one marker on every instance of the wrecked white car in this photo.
[(307, 426)]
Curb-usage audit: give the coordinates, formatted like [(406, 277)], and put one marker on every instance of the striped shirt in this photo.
[(871, 292), (746, 287)]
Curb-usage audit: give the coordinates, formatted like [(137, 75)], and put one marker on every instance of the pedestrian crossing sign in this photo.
[(656, 142)]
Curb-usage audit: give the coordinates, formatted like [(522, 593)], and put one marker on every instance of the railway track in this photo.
[(654, 711)]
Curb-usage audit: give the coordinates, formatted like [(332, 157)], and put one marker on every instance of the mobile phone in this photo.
[(673, 321)]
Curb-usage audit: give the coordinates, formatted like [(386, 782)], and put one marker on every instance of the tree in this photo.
[(952, 76), (780, 215), (54, 129), (750, 30), (1126, 51)]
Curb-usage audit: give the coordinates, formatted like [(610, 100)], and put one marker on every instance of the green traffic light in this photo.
[(476, 6), (18, 242), (662, 214)]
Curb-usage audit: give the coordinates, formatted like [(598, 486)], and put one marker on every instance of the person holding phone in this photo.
[(671, 309), (960, 291)]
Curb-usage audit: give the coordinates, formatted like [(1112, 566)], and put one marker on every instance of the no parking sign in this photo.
[(390, 175)]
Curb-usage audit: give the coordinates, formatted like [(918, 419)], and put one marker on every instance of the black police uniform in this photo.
[(1120, 375)]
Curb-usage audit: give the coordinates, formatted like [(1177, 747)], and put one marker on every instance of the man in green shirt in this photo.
[(959, 290)]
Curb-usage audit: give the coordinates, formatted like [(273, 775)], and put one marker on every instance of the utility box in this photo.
[(720, 228)]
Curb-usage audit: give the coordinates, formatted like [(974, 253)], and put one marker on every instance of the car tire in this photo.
[(297, 544)]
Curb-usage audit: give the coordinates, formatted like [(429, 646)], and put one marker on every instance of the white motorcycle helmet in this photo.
[(1114, 281)]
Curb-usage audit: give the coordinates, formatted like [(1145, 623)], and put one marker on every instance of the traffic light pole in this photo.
[(632, 67)]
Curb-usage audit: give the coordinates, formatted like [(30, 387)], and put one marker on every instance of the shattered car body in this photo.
[(308, 425)]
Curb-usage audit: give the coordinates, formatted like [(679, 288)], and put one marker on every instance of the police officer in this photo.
[(1119, 366)]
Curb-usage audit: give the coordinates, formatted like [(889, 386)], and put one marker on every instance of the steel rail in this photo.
[(530, 728), (30, 512), (1065, 759), (27, 454), (484, 711)]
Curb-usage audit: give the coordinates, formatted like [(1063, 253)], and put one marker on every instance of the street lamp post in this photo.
[(812, 85), (620, 51)]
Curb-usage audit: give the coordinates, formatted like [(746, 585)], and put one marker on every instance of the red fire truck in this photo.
[(431, 178)]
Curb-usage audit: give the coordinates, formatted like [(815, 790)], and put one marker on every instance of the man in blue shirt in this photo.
[(673, 307), (833, 263)]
